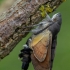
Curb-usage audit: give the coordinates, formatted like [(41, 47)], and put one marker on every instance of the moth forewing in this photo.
[(40, 44), (36, 39)]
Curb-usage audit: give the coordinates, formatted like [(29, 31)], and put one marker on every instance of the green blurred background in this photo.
[(62, 56)]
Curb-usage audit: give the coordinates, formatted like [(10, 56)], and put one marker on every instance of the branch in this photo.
[(14, 22)]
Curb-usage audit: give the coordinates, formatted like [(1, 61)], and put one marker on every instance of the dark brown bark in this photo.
[(14, 22)]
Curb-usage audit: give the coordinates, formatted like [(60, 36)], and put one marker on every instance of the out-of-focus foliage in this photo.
[(1, 1)]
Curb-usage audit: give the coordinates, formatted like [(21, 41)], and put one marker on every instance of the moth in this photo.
[(42, 41)]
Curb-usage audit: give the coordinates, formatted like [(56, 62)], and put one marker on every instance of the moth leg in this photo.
[(25, 46), (25, 55), (29, 41), (26, 58)]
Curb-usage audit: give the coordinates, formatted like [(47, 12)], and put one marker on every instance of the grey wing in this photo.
[(55, 28), (53, 48)]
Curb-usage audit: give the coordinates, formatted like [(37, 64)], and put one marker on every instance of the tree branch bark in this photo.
[(14, 22)]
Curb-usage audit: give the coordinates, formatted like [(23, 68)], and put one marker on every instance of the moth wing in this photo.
[(36, 39), (40, 52), (40, 48)]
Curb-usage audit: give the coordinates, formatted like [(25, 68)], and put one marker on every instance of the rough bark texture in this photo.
[(14, 22)]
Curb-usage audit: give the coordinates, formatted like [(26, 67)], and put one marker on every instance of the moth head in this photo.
[(57, 18), (43, 24)]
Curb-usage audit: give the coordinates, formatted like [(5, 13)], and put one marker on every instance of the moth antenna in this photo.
[(31, 26)]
